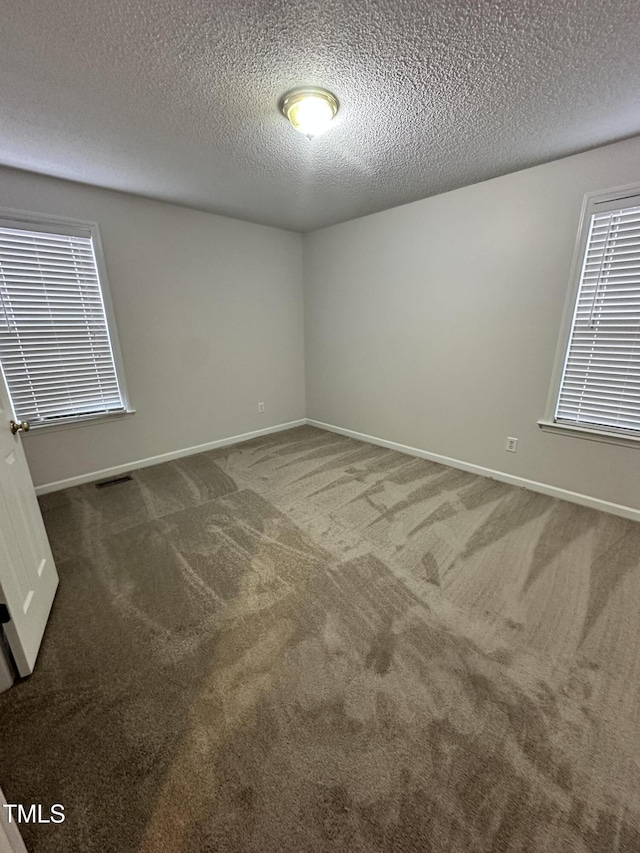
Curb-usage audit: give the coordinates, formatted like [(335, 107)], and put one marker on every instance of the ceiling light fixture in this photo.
[(309, 110)]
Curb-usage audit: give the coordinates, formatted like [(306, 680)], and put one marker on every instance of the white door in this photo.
[(28, 577), (10, 840)]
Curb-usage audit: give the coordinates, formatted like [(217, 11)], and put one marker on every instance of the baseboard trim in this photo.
[(511, 479), (56, 486)]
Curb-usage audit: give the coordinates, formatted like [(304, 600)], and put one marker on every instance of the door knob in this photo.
[(23, 426)]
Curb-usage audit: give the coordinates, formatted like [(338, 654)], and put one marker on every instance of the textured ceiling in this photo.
[(178, 100)]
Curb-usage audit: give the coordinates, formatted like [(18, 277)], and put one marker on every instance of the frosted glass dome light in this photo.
[(309, 110)]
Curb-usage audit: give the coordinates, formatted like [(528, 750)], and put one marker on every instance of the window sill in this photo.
[(72, 423), (590, 434)]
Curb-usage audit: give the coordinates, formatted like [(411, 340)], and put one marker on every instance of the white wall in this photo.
[(435, 324), (209, 316)]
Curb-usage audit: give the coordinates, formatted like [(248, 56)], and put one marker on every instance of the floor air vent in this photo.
[(114, 482)]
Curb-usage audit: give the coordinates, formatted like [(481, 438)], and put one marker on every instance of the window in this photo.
[(598, 389), (58, 351)]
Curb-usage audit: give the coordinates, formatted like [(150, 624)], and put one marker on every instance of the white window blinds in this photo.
[(600, 385), (55, 348)]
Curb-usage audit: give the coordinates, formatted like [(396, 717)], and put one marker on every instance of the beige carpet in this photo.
[(305, 643)]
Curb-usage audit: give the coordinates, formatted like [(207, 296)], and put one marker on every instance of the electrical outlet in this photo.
[(512, 445), (261, 407)]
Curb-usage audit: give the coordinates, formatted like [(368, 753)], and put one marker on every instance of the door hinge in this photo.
[(5, 616)]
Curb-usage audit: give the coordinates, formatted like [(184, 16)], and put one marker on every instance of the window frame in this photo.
[(593, 202), (51, 224)]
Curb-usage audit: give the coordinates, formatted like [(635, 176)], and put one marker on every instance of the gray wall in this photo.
[(209, 316), (435, 324)]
